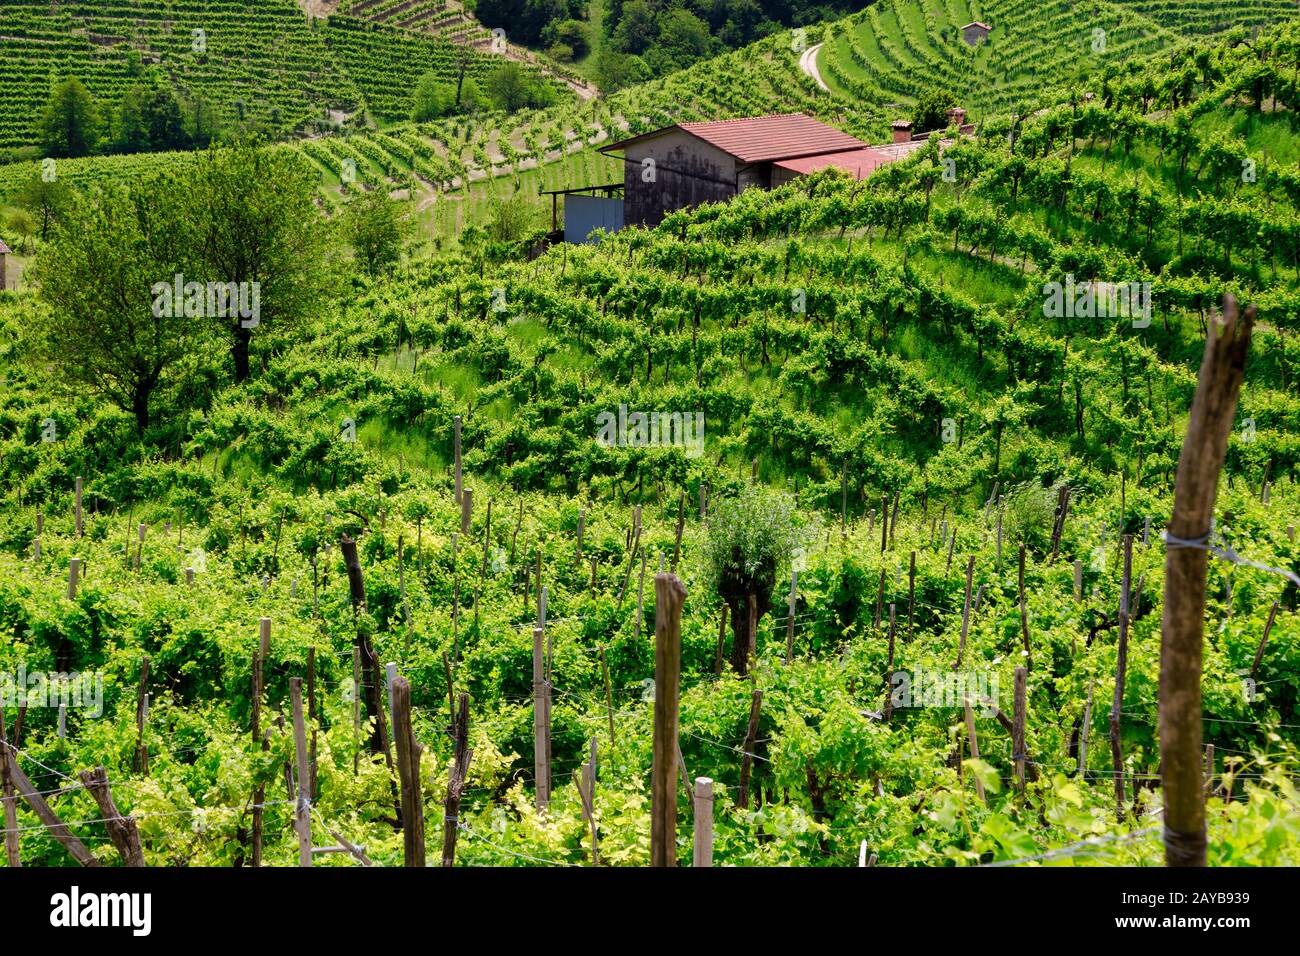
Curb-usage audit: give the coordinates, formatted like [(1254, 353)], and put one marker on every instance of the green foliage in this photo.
[(70, 123), (377, 228)]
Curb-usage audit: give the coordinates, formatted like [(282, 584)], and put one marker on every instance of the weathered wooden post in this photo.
[(10, 798), (142, 719), (965, 612), (466, 509), (1121, 668), (121, 830), (670, 594), (586, 781), (1199, 465), (409, 752), (751, 741), (1018, 727), (302, 814), (974, 747), (74, 575), (702, 850), (456, 777), (1259, 651), (541, 731)]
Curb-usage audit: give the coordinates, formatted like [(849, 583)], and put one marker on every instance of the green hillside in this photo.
[(891, 409), (261, 63)]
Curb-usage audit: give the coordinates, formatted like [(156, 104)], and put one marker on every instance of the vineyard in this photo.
[(896, 50), (262, 63), (396, 592)]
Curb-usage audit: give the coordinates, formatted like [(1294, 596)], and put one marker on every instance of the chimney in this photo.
[(957, 117), (902, 130)]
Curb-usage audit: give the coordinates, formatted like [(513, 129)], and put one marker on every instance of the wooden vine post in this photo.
[(456, 777), (1121, 668), (670, 595), (121, 830), (1018, 727), (703, 845), (408, 769), (751, 740), (541, 728), (586, 780), (302, 807), (10, 798), (1195, 489)]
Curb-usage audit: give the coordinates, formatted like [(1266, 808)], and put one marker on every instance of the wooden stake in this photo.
[(466, 509), (586, 781), (1259, 651), (541, 732), (751, 741), (965, 613), (1018, 727), (74, 575), (582, 526), (142, 719), (456, 778), (1121, 667), (670, 595), (302, 814), (121, 830), (57, 828), (974, 748), (10, 798), (702, 851), (1199, 465)]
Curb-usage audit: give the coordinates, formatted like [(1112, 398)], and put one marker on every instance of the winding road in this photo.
[(808, 63)]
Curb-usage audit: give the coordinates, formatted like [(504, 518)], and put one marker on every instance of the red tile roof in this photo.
[(758, 139), (860, 163), (4, 250), (976, 23)]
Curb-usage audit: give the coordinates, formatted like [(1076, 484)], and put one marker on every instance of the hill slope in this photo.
[(878, 348)]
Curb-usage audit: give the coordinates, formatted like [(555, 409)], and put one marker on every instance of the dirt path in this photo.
[(808, 63), (318, 8)]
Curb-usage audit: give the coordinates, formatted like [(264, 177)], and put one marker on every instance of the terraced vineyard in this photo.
[(261, 62), (938, 480), (897, 49)]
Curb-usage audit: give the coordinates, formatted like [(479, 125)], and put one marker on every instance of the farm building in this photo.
[(692, 163), (974, 32), (4, 251)]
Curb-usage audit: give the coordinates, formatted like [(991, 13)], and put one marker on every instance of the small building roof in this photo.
[(860, 163), (4, 250), (758, 139), (901, 124), (977, 23)]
